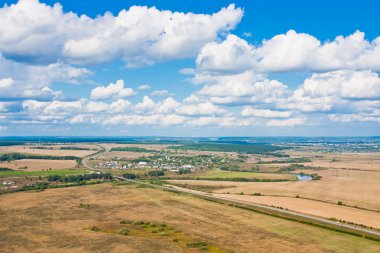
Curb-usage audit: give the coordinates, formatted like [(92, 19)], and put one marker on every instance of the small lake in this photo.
[(304, 177)]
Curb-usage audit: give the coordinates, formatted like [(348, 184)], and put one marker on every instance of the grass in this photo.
[(28, 217), (238, 174), (45, 173)]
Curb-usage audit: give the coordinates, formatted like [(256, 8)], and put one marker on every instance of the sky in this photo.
[(189, 68)]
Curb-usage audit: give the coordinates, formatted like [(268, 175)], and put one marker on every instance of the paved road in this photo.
[(294, 215)]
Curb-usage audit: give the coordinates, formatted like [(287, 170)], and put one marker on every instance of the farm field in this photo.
[(52, 152), (21, 173), (88, 218), (124, 154), (317, 208), (357, 188), (220, 174), (360, 161), (109, 146), (38, 164)]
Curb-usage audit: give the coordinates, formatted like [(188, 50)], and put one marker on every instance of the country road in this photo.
[(358, 230)]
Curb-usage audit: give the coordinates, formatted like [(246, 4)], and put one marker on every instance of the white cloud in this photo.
[(233, 54), (161, 93), (205, 108), (80, 118), (35, 81), (113, 90), (35, 31), (3, 107), (240, 89), (249, 111), (6, 84), (227, 121), (363, 117), (291, 122), (97, 106), (146, 105), (291, 52), (144, 87), (343, 84), (169, 105), (121, 105), (156, 120)]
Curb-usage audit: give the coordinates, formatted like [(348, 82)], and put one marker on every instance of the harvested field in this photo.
[(354, 188), (53, 152), (317, 208), (37, 164), (124, 155), (361, 161), (108, 146), (87, 219)]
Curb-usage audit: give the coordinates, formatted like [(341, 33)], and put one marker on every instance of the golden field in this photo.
[(63, 220)]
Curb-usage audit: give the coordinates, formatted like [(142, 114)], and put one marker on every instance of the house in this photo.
[(188, 166), (142, 164), (8, 183)]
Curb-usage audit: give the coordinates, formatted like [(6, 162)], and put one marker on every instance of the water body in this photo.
[(304, 177)]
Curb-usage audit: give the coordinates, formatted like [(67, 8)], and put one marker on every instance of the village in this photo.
[(164, 162)]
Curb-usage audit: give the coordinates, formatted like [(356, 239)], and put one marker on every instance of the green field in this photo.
[(210, 174), (45, 173)]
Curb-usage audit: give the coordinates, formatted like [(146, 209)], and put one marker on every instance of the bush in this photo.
[(200, 245), (94, 229), (124, 231), (340, 203), (81, 205), (130, 176), (5, 169), (156, 173)]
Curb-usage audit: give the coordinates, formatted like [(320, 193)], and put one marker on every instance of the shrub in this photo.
[(81, 205), (340, 203), (94, 229), (200, 245), (124, 231)]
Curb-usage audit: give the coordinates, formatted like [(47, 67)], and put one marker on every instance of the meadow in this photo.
[(42, 173), (114, 218)]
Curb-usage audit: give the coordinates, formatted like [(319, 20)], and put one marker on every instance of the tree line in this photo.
[(79, 178)]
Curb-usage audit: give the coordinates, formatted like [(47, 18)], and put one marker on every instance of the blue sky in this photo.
[(204, 68)]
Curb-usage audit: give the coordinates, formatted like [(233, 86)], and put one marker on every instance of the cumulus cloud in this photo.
[(291, 122), (22, 81), (243, 89), (113, 90), (6, 84), (144, 87), (291, 51), (206, 108), (344, 84), (161, 93), (33, 31), (231, 55), (361, 117), (249, 111)]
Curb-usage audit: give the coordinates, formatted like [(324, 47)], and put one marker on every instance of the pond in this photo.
[(303, 177)]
